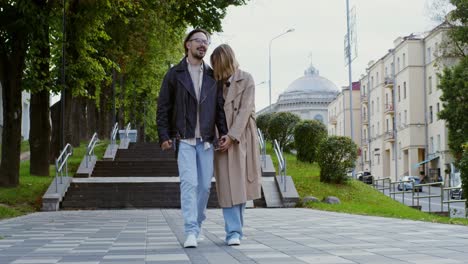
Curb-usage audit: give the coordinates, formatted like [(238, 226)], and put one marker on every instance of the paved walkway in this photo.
[(272, 236)]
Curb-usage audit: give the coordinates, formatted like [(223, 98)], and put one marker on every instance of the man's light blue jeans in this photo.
[(195, 170)]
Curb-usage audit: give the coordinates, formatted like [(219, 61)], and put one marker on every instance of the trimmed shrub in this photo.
[(282, 127), (307, 136), (263, 122), (335, 155)]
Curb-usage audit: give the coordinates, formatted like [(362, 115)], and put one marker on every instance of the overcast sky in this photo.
[(320, 26)]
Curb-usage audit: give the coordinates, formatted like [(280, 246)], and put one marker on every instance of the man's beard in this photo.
[(196, 55)]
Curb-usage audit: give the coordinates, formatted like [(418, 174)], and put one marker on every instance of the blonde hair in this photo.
[(224, 62)]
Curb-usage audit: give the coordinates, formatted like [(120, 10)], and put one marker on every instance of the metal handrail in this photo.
[(115, 129), (376, 181), (449, 201), (396, 183), (441, 195), (90, 148), (127, 129), (281, 164), (262, 146), (60, 162)]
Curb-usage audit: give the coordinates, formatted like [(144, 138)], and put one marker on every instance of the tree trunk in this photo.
[(39, 136), (84, 135), (55, 144), (105, 115), (11, 75)]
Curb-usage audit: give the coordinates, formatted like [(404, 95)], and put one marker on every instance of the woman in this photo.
[(237, 163)]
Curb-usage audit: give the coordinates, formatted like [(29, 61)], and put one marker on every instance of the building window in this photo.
[(429, 55), (378, 105), (429, 84), (372, 108), (377, 78), (399, 150), (430, 114), (319, 118), (404, 60), (386, 71), (431, 146), (373, 131), (438, 142), (399, 93), (438, 110), (378, 128), (405, 118), (372, 82), (399, 119), (398, 64), (404, 90), (365, 155), (386, 125), (393, 152)]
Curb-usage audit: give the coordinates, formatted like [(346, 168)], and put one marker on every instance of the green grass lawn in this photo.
[(356, 197), (26, 197)]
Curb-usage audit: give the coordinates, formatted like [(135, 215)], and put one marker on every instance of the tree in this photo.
[(16, 26), (463, 164), (282, 127), (307, 136), (263, 122), (336, 154), (454, 86)]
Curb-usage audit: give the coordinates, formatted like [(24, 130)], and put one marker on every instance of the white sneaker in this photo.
[(191, 241), (233, 241)]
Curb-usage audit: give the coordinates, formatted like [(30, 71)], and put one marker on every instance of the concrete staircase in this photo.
[(142, 176)]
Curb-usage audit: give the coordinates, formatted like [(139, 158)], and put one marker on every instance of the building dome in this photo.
[(310, 88), (312, 82)]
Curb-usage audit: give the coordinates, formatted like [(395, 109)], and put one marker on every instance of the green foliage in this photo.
[(307, 136), (458, 20), (463, 164), (282, 127), (263, 122), (454, 86), (335, 155), (355, 196)]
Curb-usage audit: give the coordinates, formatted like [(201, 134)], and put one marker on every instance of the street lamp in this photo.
[(269, 60)]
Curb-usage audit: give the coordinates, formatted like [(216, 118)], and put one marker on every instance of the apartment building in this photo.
[(339, 114), (399, 104)]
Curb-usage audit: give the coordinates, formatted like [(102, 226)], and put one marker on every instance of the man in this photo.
[(190, 104)]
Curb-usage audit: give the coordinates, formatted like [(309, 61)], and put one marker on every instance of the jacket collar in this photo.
[(235, 88), (184, 77)]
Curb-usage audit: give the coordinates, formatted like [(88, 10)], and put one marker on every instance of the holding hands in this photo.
[(225, 143)]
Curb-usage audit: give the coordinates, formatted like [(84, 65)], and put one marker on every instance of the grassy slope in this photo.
[(356, 197), (26, 197)]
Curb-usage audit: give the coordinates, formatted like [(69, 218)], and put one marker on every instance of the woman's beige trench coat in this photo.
[(237, 170)]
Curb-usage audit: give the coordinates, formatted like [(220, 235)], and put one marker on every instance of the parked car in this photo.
[(365, 177), (408, 182), (457, 194)]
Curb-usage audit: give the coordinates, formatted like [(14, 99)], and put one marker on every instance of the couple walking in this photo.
[(209, 114)]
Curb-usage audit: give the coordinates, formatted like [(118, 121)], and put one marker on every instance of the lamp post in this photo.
[(269, 61)]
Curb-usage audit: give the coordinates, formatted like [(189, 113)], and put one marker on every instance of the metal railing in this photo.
[(127, 129), (113, 136), (430, 196), (383, 188), (450, 201), (281, 164), (90, 148), (262, 142), (403, 191), (61, 161)]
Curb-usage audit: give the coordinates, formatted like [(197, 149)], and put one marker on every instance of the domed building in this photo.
[(308, 97)]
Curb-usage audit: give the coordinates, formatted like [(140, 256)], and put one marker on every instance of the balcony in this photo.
[(389, 136), (365, 120), (333, 120), (364, 142), (388, 82), (364, 98), (389, 109)]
